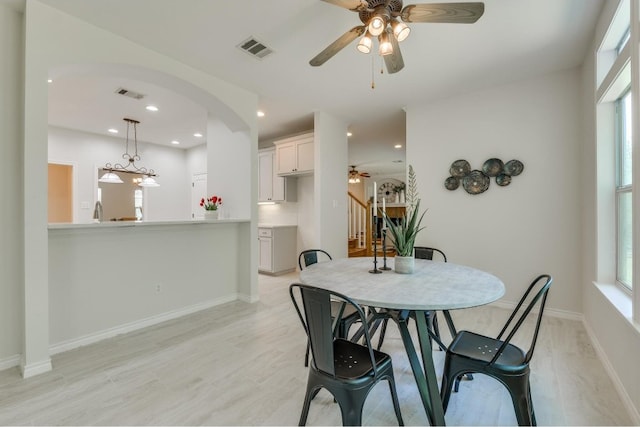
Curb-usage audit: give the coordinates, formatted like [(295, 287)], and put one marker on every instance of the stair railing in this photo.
[(360, 223)]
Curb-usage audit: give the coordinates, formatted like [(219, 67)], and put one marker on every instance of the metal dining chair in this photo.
[(497, 357), (311, 256), (348, 370), (348, 316), (424, 252)]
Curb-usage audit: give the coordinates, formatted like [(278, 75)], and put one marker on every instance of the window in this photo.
[(624, 231), (623, 41)]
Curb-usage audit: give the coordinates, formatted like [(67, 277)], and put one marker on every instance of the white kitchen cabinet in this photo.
[(294, 155), (277, 249), (272, 187)]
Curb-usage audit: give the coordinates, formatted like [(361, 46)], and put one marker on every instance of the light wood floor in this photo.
[(242, 364)]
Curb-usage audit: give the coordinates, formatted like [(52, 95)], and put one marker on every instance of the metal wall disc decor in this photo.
[(493, 167), (503, 180), (477, 181), (513, 167), (452, 183), (460, 168)]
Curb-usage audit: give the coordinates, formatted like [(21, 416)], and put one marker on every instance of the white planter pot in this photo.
[(211, 214), (404, 264)]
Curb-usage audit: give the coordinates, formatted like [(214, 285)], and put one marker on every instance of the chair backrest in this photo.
[(535, 295), (320, 325), (311, 256), (423, 252)]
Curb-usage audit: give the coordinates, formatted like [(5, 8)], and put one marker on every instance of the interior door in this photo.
[(60, 194), (198, 191)]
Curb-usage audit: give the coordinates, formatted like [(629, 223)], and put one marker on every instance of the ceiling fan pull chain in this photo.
[(373, 83)]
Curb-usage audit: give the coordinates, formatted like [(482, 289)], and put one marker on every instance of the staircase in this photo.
[(359, 228), (354, 250)]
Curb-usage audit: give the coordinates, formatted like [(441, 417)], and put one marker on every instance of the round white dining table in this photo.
[(433, 285)]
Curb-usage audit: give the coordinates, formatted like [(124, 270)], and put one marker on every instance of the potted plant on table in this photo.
[(404, 231), (210, 206)]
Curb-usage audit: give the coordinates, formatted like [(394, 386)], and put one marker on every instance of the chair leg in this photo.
[(456, 385), (383, 330), (432, 321), (521, 397), (394, 398), (445, 390), (311, 393), (351, 405), (306, 356)]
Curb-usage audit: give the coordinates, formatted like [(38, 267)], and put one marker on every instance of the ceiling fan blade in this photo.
[(337, 45), (451, 13), (394, 61), (355, 5)]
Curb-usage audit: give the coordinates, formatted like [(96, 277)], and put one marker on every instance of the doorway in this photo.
[(60, 193)]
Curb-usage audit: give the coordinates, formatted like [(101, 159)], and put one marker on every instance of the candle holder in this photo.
[(384, 250), (375, 270)]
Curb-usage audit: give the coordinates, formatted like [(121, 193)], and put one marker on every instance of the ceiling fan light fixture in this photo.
[(386, 48), (365, 43), (376, 25), (400, 30)]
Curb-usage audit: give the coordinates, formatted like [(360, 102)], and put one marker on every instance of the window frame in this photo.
[(621, 187)]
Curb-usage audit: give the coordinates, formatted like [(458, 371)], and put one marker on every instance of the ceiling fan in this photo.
[(385, 19), (354, 175)]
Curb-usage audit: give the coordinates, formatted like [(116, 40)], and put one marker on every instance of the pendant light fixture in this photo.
[(130, 167)]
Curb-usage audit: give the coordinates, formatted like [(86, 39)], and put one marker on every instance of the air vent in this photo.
[(129, 93), (255, 48)]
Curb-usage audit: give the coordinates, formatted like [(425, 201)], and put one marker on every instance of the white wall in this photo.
[(11, 223), (529, 227), (307, 238), (330, 185), (616, 336), (109, 279), (58, 43), (196, 160), (170, 201)]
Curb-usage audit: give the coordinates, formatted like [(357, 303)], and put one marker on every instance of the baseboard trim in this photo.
[(248, 298), (138, 324), (602, 355), (37, 368), (552, 312), (10, 362)]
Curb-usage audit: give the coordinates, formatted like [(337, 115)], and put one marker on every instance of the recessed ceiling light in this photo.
[(397, 146), (50, 81), (112, 130), (152, 108), (260, 113), (197, 135), (174, 142), (349, 134)]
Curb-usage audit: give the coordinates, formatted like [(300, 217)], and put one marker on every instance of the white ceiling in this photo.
[(514, 40)]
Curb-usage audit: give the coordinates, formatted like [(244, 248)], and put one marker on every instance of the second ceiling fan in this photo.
[(385, 19)]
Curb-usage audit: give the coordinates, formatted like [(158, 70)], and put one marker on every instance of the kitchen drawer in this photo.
[(265, 232)]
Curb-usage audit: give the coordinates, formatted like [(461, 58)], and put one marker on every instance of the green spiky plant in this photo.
[(403, 234)]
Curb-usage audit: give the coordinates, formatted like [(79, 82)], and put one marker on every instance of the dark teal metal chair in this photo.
[(470, 352), (346, 369)]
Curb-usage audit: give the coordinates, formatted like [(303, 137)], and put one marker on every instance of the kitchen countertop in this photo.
[(276, 225), (123, 224)]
